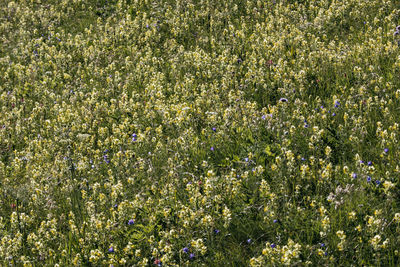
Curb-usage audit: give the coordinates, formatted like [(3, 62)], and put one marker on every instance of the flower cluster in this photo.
[(175, 133)]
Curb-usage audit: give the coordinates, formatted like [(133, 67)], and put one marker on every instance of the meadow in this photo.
[(199, 133)]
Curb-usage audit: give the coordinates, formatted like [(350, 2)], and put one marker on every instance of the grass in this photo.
[(199, 133)]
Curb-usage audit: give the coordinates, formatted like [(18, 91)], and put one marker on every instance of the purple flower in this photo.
[(249, 241), (378, 182), (322, 245), (337, 104), (134, 136), (214, 129), (263, 117), (273, 245), (398, 28), (212, 148), (369, 163), (275, 221), (246, 159), (111, 250), (333, 114), (283, 99), (105, 157), (386, 150), (369, 179), (191, 256), (131, 222), (217, 231), (354, 175), (185, 250)]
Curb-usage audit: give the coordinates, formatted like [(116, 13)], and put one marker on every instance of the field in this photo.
[(199, 133)]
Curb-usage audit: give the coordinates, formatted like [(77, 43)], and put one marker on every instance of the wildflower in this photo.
[(212, 148), (185, 250), (397, 218), (369, 179), (378, 182), (191, 256), (369, 163), (214, 129), (131, 222), (111, 250), (388, 185), (246, 159), (249, 241), (337, 104), (354, 175), (217, 231), (397, 32), (105, 157), (341, 234), (134, 136), (283, 99), (386, 150), (273, 245)]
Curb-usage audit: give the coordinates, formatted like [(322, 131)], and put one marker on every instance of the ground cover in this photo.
[(199, 133)]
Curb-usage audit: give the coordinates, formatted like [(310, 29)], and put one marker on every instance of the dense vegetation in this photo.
[(199, 132)]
